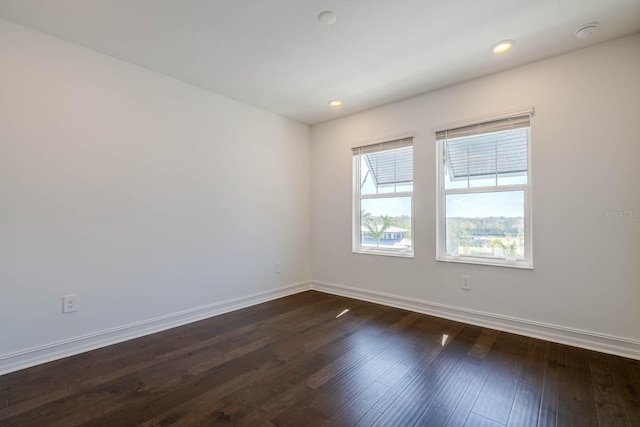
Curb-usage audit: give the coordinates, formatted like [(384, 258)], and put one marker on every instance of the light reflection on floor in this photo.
[(346, 310)]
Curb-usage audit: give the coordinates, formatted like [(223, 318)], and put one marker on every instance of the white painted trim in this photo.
[(604, 343), (486, 118), (357, 197), (57, 350), (388, 138), (441, 220), (365, 250)]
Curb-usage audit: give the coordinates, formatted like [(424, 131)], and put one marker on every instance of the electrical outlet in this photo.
[(466, 283), (278, 268), (70, 303)]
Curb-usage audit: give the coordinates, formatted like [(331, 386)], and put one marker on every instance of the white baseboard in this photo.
[(585, 339), (57, 350)]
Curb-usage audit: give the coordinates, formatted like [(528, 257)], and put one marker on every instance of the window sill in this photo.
[(525, 265), (383, 252)]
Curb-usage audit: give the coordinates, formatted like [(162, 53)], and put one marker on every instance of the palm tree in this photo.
[(365, 217), (387, 222), (375, 230), (508, 247)]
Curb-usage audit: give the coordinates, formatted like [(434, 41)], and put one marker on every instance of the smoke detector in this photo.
[(586, 30)]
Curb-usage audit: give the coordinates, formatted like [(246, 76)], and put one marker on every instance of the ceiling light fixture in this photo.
[(335, 103), (586, 30), (327, 17), (502, 46)]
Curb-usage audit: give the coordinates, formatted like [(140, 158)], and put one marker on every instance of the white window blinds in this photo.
[(482, 150), (389, 163)]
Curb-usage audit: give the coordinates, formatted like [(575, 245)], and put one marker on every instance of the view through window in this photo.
[(484, 190), (383, 193)]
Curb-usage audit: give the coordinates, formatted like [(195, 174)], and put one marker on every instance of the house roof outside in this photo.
[(391, 167), (392, 229), (479, 156)]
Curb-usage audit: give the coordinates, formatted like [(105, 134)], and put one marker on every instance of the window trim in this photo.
[(356, 226), (441, 194)]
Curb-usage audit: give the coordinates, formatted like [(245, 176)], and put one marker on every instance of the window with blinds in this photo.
[(484, 191), (383, 193), (487, 152)]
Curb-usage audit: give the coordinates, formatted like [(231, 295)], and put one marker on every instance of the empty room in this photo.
[(320, 213)]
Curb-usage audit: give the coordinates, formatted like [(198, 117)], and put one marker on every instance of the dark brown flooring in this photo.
[(291, 362)]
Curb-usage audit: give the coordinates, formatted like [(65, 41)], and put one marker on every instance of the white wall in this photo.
[(586, 159), (142, 194)]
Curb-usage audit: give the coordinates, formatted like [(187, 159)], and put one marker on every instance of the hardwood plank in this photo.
[(626, 375), (395, 373), (407, 410), (368, 419), (240, 403), (336, 394), (476, 420), (96, 399), (482, 348), (331, 328), (153, 402), (8, 384), (361, 405), (499, 390), (632, 369), (430, 345), (576, 404), (289, 390), (329, 371), (609, 406), (526, 406), (547, 416), (60, 374), (351, 319), (443, 405), (198, 411), (298, 393), (484, 343), (405, 322), (536, 362)]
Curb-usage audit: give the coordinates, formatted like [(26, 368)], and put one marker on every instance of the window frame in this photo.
[(357, 198), (442, 192)]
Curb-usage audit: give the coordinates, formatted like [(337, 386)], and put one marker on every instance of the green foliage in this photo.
[(489, 226), (376, 226), (508, 247), (481, 236)]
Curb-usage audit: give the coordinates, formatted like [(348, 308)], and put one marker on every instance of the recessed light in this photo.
[(327, 17), (335, 103), (586, 30), (502, 46)]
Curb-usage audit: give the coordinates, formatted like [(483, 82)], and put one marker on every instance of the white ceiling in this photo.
[(276, 55)]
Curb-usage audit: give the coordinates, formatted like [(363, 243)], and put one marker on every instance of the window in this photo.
[(484, 186), (382, 202)]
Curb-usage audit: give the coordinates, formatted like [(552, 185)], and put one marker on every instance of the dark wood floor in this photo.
[(291, 362)]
